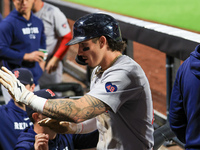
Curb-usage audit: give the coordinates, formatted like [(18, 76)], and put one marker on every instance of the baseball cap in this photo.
[(45, 93), (24, 75)]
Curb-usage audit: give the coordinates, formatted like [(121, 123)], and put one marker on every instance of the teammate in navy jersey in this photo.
[(43, 138), (21, 36), (13, 115)]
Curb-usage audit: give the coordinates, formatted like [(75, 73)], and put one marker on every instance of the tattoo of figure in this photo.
[(74, 110)]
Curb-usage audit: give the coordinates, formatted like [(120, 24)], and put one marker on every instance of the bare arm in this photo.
[(52, 65), (74, 110)]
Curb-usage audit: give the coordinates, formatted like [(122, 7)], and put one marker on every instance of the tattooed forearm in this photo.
[(60, 109), (94, 102), (74, 110)]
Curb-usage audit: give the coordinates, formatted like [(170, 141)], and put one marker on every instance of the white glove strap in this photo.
[(89, 125), (37, 103), (26, 97), (86, 126), (79, 128)]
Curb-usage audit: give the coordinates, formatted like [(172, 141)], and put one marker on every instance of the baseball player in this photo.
[(119, 96), (58, 33), (21, 36), (38, 137), (13, 115)]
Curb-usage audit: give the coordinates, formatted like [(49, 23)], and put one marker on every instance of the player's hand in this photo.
[(52, 64), (41, 141), (16, 89), (35, 56), (62, 127), (42, 65)]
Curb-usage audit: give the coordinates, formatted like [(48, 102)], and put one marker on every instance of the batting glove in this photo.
[(19, 92), (16, 89)]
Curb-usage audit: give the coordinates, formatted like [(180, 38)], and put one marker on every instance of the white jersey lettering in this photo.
[(20, 125), (32, 30)]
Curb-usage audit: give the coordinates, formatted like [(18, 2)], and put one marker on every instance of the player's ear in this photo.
[(32, 87), (102, 41), (35, 116)]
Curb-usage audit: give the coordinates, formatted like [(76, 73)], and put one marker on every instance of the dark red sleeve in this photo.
[(62, 49)]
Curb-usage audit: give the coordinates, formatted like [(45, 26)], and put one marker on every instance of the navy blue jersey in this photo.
[(19, 36), (13, 121), (26, 141), (1, 18), (185, 102)]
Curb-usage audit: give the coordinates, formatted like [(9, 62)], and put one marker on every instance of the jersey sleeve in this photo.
[(61, 24), (6, 38), (63, 31), (62, 50)]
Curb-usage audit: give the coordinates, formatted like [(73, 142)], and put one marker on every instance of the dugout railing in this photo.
[(176, 43)]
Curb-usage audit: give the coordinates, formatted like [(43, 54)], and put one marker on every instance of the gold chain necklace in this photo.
[(100, 70)]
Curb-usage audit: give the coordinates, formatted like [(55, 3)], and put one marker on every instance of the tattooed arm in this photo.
[(74, 110), (61, 109)]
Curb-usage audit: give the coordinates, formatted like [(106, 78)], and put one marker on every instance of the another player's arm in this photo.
[(74, 110)]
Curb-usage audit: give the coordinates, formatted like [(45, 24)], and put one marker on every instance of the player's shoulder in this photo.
[(50, 8), (52, 12), (36, 20), (3, 110), (7, 24), (9, 21), (126, 63)]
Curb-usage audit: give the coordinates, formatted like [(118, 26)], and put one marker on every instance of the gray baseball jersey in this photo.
[(125, 89), (56, 26)]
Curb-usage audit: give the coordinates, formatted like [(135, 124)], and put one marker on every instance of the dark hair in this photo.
[(31, 119), (113, 45), (118, 46)]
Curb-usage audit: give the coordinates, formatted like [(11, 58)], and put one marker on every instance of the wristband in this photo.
[(79, 128), (37, 103), (89, 126)]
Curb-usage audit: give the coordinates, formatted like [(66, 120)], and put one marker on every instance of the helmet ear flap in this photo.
[(80, 60)]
